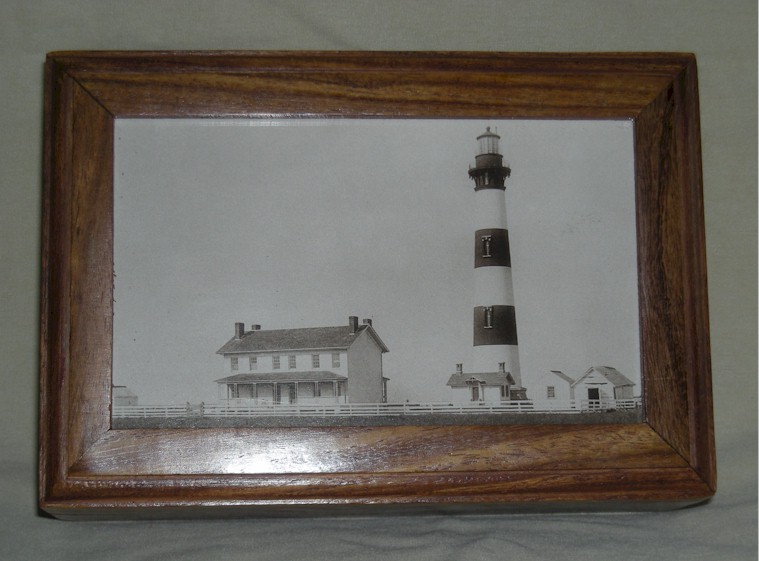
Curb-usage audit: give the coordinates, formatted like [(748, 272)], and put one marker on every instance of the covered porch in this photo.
[(316, 387)]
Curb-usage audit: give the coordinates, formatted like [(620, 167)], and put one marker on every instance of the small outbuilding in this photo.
[(602, 383), (489, 387), (123, 396), (599, 386), (553, 385)]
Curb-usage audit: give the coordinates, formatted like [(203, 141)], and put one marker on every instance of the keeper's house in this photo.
[(311, 365)]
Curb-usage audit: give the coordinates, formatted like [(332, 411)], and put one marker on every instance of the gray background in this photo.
[(723, 36)]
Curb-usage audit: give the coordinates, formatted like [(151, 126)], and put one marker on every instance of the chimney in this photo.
[(353, 323), (459, 368), (502, 367), (239, 330), (367, 321), (255, 327)]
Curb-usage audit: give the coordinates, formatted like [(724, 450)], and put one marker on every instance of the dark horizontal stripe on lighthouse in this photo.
[(500, 255), (500, 187), (503, 326)]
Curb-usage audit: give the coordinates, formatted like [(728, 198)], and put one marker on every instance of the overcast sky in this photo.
[(303, 223)]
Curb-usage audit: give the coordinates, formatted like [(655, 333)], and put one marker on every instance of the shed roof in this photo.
[(563, 376), (612, 374), (303, 338)]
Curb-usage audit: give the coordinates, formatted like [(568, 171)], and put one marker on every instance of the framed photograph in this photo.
[(294, 283)]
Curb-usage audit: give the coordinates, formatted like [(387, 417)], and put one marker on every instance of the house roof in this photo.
[(303, 338), (464, 379), (612, 374), (308, 376)]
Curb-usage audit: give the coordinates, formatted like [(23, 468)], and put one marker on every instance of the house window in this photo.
[(314, 361), (275, 362), (475, 393), (291, 361), (253, 362), (551, 392), (504, 392), (235, 363), (489, 317), (335, 360), (486, 242)]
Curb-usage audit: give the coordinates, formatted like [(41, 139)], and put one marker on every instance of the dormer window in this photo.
[(489, 317), (486, 245)]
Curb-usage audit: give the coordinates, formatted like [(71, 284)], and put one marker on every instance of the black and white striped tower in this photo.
[(495, 327)]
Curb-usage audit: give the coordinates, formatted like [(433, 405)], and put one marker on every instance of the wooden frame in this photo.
[(88, 470)]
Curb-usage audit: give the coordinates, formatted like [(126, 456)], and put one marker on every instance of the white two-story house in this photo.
[(309, 365)]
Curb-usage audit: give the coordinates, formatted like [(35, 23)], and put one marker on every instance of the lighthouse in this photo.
[(494, 373)]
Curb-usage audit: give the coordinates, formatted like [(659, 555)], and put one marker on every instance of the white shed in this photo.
[(552, 385), (601, 383)]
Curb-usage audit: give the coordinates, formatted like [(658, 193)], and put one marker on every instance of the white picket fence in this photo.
[(372, 409)]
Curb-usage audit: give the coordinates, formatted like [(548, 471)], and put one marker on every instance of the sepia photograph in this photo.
[(319, 272)]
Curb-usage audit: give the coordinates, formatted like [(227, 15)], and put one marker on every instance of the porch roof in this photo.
[(263, 377)]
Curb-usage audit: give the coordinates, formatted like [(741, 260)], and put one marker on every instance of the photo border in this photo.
[(87, 470)]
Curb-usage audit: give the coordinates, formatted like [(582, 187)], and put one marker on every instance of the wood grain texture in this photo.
[(54, 298), (88, 470), (91, 269), (383, 449), (372, 84), (672, 273)]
